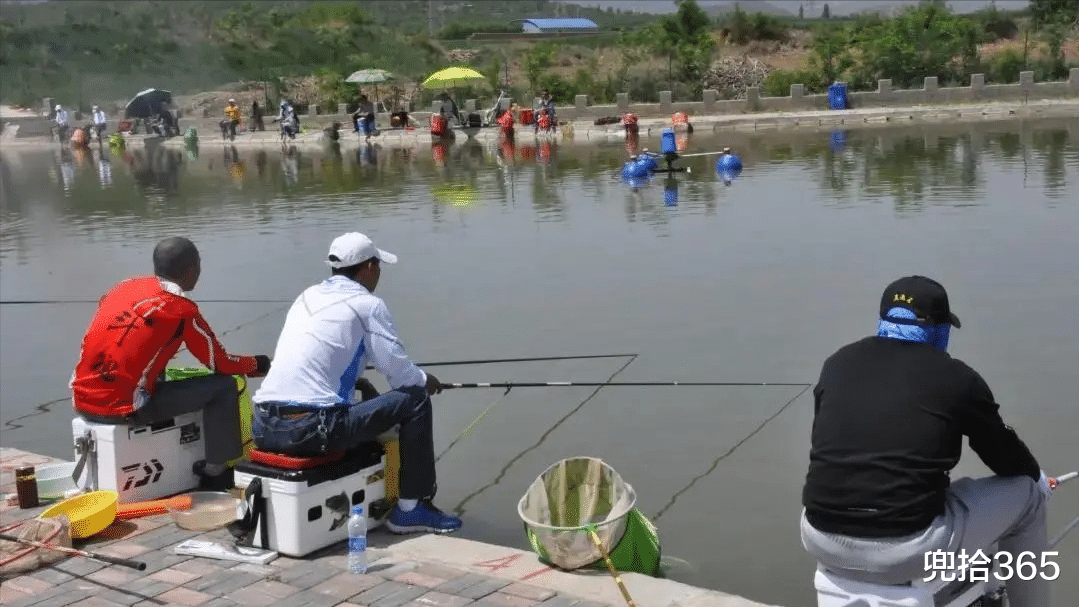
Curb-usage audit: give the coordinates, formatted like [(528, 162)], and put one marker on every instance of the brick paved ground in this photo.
[(320, 580)]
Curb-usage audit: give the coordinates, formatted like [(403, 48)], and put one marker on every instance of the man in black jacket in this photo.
[(890, 415)]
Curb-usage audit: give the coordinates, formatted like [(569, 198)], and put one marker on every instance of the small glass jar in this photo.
[(26, 487)]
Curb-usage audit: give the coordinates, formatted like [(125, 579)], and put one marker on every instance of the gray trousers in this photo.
[(978, 513), (215, 395)]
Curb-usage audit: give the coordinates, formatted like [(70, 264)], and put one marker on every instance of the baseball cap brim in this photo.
[(954, 320), (387, 257)]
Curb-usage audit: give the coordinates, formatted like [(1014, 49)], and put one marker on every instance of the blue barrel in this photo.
[(667, 144), (636, 181), (837, 96)]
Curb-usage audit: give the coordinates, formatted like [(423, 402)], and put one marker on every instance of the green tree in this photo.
[(831, 55), (685, 36), (1049, 11), (738, 26), (927, 40), (537, 58)]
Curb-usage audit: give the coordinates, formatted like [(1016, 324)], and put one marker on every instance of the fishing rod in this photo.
[(137, 565), (723, 151), (447, 363), (564, 384), (1053, 484), (37, 302)]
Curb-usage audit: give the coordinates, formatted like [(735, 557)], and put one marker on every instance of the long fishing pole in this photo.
[(564, 384), (447, 363), (1054, 483), (137, 565), (723, 151), (38, 302)]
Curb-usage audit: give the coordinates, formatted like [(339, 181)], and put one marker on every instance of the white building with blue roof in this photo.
[(557, 26)]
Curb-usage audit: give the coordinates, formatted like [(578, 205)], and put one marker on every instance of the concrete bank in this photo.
[(583, 131), (412, 571)]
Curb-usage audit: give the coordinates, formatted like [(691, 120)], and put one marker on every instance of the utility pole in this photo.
[(430, 18)]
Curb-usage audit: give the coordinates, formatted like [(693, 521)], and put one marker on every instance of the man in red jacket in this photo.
[(139, 326)]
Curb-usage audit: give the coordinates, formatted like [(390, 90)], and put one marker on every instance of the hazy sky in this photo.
[(837, 7)]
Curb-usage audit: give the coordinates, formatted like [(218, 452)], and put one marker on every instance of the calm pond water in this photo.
[(541, 250)]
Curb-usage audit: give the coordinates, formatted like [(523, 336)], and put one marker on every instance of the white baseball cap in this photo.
[(353, 248), (232, 101)]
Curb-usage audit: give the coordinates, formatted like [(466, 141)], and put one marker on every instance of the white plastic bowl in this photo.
[(54, 479), (207, 510)]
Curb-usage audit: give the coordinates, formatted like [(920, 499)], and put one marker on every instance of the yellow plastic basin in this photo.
[(88, 513)]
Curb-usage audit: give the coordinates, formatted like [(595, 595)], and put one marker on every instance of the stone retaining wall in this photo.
[(710, 105)]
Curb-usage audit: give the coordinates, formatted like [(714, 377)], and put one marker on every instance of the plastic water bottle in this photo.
[(357, 540)]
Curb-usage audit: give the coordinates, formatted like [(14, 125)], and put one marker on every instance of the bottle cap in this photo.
[(357, 509)]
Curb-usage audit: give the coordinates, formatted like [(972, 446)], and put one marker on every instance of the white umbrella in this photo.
[(370, 76)]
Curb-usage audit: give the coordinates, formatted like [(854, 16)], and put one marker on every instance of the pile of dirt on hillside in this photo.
[(731, 76), (300, 91), (462, 55)]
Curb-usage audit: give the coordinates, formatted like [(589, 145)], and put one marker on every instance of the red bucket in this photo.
[(79, 138), (438, 124), (544, 121), (505, 121), (526, 116)]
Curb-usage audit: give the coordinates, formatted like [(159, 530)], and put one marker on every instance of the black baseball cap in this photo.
[(923, 296)]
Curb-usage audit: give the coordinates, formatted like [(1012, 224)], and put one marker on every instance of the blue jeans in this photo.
[(310, 430)]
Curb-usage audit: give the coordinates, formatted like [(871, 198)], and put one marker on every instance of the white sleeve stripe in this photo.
[(209, 343)]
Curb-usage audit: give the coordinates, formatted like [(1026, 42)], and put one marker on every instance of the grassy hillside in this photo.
[(95, 51)]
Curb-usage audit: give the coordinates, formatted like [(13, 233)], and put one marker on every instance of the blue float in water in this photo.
[(729, 176), (728, 162), (636, 181), (649, 161), (636, 168)]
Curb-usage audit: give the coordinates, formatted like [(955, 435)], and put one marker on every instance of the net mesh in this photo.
[(566, 500)]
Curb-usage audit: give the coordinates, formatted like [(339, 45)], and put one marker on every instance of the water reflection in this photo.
[(906, 168)]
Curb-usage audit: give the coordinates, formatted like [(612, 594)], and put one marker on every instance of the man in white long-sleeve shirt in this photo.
[(306, 406), (100, 121), (62, 123)]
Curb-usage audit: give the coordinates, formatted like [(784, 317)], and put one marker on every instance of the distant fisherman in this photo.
[(62, 123), (100, 121)]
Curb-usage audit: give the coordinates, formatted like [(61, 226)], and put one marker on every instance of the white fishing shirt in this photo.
[(331, 332), (99, 117)]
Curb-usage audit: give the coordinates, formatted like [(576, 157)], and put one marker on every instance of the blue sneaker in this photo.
[(424, 517)]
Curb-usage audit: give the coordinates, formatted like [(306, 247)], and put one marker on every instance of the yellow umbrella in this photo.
[(451, 76)]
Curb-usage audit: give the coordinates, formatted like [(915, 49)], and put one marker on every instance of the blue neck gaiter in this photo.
[(934, 335)]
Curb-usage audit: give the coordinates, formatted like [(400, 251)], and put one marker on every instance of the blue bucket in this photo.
[(837, 96), (667, 143)]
